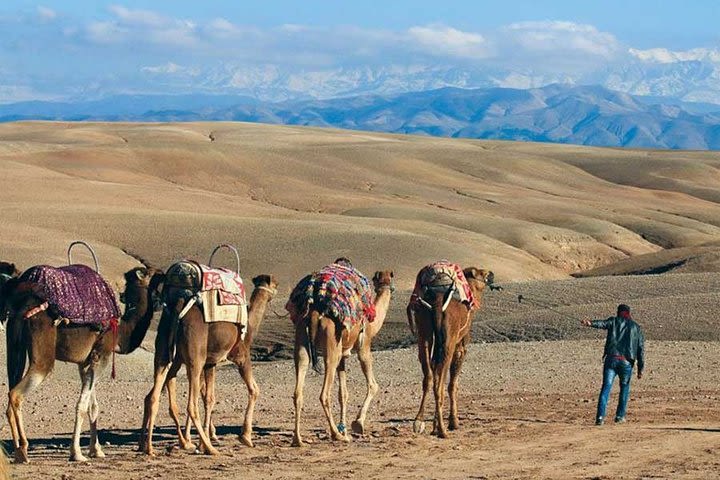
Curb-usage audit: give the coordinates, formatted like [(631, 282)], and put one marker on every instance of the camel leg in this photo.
[(332, 355), (342, 394), (366, 363), (194, 374), (152, 403), (87, 377), (209, 401), (440, 373), (95, 447), (455, 367), (253, 393), (302, 362), (94, 412), (171, 388), (424, 358), (32, 379)]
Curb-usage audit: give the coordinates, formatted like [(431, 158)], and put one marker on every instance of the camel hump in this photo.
[(441, 276), (76, 292), (338, 290)]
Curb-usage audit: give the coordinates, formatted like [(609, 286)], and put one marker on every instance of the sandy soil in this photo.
[(526, 411), (295, 198)]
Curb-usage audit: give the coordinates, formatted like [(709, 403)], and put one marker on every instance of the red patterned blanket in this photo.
[(443, 273), (339, 291)]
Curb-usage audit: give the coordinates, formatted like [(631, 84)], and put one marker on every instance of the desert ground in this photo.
[(573, 230)]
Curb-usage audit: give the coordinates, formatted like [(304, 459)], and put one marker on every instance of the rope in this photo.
[(542, 305)]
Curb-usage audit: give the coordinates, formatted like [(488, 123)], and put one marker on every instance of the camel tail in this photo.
[(313, 326), (16, 351), (439, 329)]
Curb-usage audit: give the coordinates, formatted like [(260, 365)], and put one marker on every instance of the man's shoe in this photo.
[(599, 421), (619, 419)]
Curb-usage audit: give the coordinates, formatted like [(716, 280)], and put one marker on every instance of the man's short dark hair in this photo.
[(623, 308), (343, 261)]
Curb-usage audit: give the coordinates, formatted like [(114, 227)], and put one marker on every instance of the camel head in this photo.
[(479, 278), (382, 280), (141, 299), (266, 283), (139, 282)]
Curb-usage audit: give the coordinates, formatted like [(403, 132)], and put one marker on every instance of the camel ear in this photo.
[(261, 279), (376, 277), (472, 272), (157, 279)]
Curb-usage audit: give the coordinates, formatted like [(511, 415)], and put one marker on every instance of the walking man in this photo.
[(625, 344)]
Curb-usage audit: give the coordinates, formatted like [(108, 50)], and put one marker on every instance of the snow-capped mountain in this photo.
[(586, 115)]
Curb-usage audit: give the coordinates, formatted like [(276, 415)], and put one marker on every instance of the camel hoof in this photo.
[(188, 446), (340, 437), (211, 451), (297, 442), (418, 426), (442, 434), (78, 457), (247, 441), (149, 451), (97, 453), (358, 427), (21, 456), (214, 438)]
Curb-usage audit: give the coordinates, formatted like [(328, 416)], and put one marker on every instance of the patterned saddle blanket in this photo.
[(340, 291), (220, 291), (440, 276), (76, 293)]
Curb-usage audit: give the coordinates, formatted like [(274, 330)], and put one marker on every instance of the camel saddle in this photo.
[(219, 291), (441, 277), (75, 293), (338, 291)]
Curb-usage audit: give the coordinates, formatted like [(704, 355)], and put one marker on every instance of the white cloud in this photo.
[(106, 32), (663, 55), (444, 40), (562, 37), (170, 68), (138, 17), (46, 14)]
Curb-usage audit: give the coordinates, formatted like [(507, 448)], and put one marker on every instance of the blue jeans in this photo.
[(623, 369)]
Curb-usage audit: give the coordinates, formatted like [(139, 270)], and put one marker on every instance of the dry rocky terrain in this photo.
[(572, 230)]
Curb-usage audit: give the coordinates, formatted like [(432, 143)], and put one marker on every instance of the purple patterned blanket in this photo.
[(76, 292)]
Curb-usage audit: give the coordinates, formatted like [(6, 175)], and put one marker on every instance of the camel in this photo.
[(200, 347), (32, 332), (442, 344), (314, 331)]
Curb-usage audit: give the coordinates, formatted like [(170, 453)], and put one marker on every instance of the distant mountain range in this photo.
[(693, 78), (585, 115)]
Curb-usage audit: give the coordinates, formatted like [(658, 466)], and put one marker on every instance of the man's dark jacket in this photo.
[(624, 337)]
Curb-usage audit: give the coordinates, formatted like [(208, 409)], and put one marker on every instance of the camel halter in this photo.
[(35, 310), (271, 291)]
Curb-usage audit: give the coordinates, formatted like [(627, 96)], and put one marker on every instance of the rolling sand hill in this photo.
[(293, 199)]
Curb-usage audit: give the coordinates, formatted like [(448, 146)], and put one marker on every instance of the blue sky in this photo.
[(57, 49)]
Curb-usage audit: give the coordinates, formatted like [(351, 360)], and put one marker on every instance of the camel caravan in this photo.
[(70, 313)]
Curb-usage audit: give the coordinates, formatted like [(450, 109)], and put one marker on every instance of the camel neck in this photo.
[(136, 319), (258, 305), (382, 304)]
